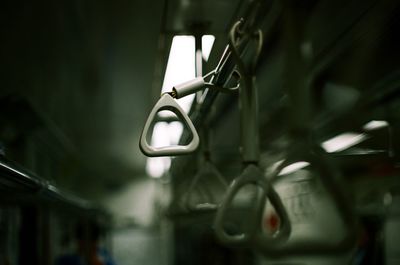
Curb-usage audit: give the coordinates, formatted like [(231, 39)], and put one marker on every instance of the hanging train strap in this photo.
[(252, 174), (166, 102), (299, 94), (328, 176), (206, 170)]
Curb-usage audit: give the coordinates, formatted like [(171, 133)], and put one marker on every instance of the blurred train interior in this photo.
[(188, 132)]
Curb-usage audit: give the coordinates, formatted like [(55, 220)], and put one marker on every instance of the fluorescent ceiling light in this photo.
[(374, 125), (293, 167), (207, 42), (180, 67), (343, 141)]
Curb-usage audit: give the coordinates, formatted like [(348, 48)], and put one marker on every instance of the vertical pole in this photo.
[(199, 72), (199, 55), (248, 98), (249, 120), (198, 61)]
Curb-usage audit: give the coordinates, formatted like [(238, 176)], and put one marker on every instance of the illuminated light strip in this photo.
[(207, 42), (293, 167), (343, 141), (375, 125), (180, 67)]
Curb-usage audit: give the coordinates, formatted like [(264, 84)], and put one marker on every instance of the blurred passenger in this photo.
[(88, 251)]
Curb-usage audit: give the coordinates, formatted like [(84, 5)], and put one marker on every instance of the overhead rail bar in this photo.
[(259, 12), (13, 178)]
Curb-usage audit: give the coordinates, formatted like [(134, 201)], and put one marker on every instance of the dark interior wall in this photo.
[(81, 72)]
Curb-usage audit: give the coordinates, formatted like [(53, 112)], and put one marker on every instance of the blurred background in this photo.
[(80, 77)]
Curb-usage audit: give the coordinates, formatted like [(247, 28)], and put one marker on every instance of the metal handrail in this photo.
[(26, 183)]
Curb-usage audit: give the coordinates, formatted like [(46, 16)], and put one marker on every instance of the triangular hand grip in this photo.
[(166, 102), (251, 175), (208, 170), (328, 175)]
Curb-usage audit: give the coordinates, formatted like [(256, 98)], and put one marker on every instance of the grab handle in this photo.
[(330, 180), (251, 175), (166, 102), (210, 171)]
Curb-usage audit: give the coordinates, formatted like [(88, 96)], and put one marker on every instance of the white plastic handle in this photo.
[(166, 102), (208, 170), (251, 175), (328, 175)]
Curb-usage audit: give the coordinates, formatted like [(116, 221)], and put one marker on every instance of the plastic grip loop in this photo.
[(210, 171), (251, 175), (329, 178), (166, 102)]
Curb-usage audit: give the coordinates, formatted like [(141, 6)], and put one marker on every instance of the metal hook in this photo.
[(233, 34), (224, 89), (166, 102)]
